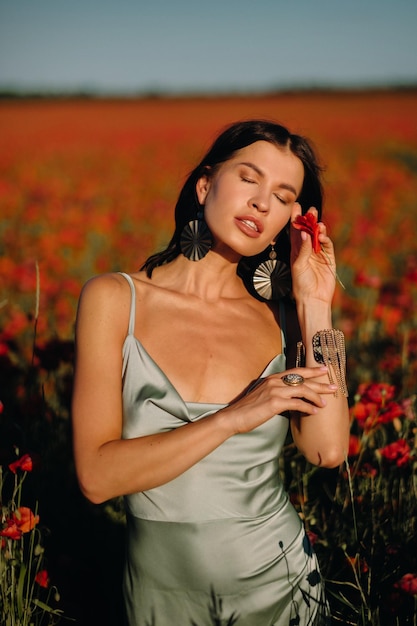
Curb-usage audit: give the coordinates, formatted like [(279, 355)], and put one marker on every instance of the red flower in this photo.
[(379, 393), (25, 519), (11, 531), (408, 583), (25, 463), (362, 279), (308, 223), (42, 578), (365, 414), (391, 411), (367, 471), (397, 452), (21, 521), (313, 537), (354, 446)]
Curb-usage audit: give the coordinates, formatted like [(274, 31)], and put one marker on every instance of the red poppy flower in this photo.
[(21, 521), (408, 583), (25, 519), (25, 463), (11, 531), (362, 279), (391, 411), (365, 413), (313, 537), (397, 452), (42, 578), (308, 223), (380, 393), (354, 446)]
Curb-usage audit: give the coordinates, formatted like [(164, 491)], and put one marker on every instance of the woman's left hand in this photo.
[(313, 274)]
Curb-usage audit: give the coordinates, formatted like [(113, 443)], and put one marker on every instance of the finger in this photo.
[(300, 405), (309, 388), (314, 395), (325, 240), (311, 392), (323, 228), (315, 387), (301, 244), (305, 372), (302, 398)]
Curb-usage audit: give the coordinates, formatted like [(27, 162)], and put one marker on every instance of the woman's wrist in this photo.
[(313, 316), (224, 423), (322, 343)]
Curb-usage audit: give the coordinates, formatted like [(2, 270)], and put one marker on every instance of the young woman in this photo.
[(186, 384)]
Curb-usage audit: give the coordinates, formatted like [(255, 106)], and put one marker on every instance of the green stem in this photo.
[(332, 270), (38, 289), (355, 527)]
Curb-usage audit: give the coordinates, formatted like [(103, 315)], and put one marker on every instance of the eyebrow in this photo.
[(261, 173)]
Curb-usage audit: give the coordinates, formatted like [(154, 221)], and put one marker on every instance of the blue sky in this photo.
[(187, 45)]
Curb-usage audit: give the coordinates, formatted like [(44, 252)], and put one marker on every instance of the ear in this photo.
[(202, 188)]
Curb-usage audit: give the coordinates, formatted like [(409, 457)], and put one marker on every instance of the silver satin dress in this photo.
[(223, 534)]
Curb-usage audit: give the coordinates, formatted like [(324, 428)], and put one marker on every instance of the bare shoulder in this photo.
[(105, 300), (106, 290), (104, 286)]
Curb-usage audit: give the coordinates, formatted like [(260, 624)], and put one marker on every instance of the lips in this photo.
[(250, 224)]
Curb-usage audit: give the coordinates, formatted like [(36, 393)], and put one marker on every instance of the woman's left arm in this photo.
[(324, 437)]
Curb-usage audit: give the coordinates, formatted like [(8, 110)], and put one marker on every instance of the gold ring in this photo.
[(292, 379)]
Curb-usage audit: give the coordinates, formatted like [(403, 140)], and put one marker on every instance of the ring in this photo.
[(292, 379)]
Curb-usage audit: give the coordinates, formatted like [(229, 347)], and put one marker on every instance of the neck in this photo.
[(210, 279)]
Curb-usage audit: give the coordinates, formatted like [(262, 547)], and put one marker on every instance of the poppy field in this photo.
[(89, 186)]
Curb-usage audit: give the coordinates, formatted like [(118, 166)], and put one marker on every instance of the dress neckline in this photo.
[(151, 360)]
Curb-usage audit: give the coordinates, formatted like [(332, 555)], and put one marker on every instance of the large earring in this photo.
[(272, 278), (196, 239)]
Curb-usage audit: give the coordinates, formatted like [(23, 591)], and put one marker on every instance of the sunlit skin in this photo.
[(250, 198), (210, 337)]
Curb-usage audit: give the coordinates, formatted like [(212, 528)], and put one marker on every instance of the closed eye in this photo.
[(281, 199)]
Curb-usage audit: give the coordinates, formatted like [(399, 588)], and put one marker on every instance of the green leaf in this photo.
[(19, 589)]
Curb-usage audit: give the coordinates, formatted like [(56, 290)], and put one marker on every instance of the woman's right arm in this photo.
[(109, 466)]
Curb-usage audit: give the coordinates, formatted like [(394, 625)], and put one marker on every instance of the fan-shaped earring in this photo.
[(196, 239), (272, 278)]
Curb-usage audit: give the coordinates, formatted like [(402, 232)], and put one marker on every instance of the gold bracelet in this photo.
[(329, 349), (300, 358)]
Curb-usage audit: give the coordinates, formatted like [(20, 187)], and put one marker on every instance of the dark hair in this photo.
[(234, 138)]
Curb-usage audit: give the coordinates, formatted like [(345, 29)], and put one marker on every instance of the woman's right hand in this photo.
[(272, 396)]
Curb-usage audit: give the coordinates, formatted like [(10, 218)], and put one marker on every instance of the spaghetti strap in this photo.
[(132, 315), (283, 324)]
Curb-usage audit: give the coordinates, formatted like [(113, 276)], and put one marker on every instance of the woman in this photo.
[(183, 398)]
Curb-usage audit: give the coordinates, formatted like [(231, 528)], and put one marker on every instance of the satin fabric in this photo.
[(223, 536)]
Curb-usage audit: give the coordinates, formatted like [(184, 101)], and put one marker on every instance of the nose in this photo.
[(260, 202)]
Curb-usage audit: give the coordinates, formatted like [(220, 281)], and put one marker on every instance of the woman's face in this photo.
[(249, 198)]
